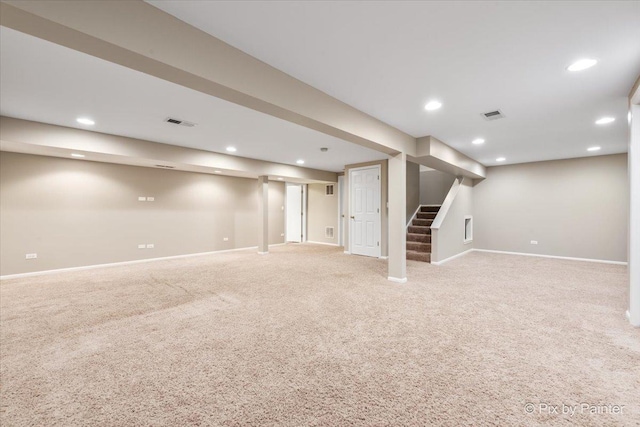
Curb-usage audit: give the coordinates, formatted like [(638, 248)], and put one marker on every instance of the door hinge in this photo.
[(378, 177), (378, 210), (378, 243)]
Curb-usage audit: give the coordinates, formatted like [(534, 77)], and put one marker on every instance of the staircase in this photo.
[(419, 234)]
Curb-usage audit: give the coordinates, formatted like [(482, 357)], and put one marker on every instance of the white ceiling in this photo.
[(387, 58), (48, 83)]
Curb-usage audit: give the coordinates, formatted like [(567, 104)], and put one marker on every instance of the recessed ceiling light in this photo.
[(432, 105), (232, 149), (478, 141), (85, 121), (582, 64), (605, 120), (217, 171), (79, 156), (593, 148), (501, 159), (300, 162)]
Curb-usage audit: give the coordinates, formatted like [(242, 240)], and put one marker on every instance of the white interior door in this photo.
[(341, 215), (294, 213), (364, 211)]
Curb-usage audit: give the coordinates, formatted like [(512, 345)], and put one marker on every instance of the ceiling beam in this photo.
[(436, 154), (23, 136), (144, 38)]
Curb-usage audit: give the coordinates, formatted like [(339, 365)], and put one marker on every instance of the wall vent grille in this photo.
[(328, 232), (329, 190)]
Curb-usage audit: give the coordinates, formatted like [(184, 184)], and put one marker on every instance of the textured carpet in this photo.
[(308, 336)]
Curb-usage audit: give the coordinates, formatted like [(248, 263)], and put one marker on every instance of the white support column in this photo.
[(263, 215), (634, 217), (397, 218)]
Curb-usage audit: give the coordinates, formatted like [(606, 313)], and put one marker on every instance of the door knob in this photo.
[(353, 217)]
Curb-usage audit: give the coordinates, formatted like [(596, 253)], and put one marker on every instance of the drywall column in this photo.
[(634, 217), (263, 215), (397, 218)]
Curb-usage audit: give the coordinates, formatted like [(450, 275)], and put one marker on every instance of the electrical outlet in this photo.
[(142, 246), (151, 199), (31, 256), (142, 199), (226, 239), (150, 246), (534, 242)]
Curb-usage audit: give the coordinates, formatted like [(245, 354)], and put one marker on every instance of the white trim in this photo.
[(464, 232), (452, 257), (383, 257), (628, 316), (123, 263), (396, 280), (413, 216), (321, 243), (305, 191), (446, 204), (263, 253), (603, 261), (347, 253)]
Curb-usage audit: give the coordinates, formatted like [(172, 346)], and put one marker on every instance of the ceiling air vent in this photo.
[(179, 122), (165, 166), (493, 115)]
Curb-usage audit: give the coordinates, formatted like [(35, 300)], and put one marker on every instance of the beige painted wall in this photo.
[(448, 240), (413, 188), (434, 186), (322, 211), (384, 211), (76, 213), (573, 208)]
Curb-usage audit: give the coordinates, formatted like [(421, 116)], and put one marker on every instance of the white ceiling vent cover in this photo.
[(328, 232), (179, 122), (493, 115)]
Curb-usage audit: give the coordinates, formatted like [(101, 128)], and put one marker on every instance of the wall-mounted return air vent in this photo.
[(165, 166), (328, 232), (493, 115), (179, 122), (328, 190)]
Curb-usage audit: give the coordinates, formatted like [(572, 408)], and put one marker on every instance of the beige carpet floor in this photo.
[(308, 336)]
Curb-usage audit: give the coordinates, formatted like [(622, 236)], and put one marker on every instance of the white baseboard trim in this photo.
[(322, 243), (396, 280), (628, 315), (347, 253), (452, 257), (123, 263), (383, 257), (603, 261)]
